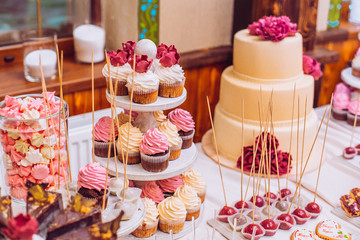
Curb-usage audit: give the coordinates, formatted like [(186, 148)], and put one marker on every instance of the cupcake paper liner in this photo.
[(155, 163), (101, 149), (351, 119), (171, 90), (144, 96), (174, 225), (133, 157), (175, 151), (187, 140), (339, 114), (146, 230), (121, 88)]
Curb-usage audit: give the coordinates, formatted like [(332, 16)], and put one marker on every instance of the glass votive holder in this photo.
[(88, 38), (36, 45), (33, 142)]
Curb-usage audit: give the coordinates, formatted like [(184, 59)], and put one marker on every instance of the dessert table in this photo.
[(337, 176)]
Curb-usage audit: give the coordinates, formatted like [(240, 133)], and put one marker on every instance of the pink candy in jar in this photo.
[(30, 141)]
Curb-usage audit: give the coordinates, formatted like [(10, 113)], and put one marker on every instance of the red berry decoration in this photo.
[(273, 197), (270, 227), (240, 204), (357, 147), (259, 201), (286, 221), (248, 231), (313, 207), (226, 210), (349, 153), (285, 192), (301, 216)]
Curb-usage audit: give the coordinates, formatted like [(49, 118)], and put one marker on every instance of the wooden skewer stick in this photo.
[(93, 104), (252, 169), (307, 160), (46, 104), (355, 120), (63, 113), (302, 149), (216, 148), (116, 121), (291, 131), (297, 142), (242, 149), (60, 81), (322, 151), (38, 11)]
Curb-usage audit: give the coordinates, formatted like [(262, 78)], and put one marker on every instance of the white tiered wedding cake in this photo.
[(271, 66)]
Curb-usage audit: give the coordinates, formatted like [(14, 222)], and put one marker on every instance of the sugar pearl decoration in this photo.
[(146, 47)]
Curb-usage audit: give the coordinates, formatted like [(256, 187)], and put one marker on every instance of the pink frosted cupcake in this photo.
[(154, 151), (152, 191), (341, 101), (91, 181), (170, 185), (185, 125), (102, 137), (352, 112)]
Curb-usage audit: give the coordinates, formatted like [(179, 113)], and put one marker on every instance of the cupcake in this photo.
[(354, 106), (152, 191), (170, 185), (145, 82), (119, 69), (185, 125), (154, 151), (191, 201), (174, 141), (150, 223), (124, 118), (172, 214), (91, 181), (159, 117), (171, 74), (102, 137), (129, 147), (355, 66), (340, 106), (196, 181)]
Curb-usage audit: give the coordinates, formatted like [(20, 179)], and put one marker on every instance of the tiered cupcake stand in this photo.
[(145, 120), (350, 79)]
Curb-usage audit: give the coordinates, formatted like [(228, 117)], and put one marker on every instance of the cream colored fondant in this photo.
[(267, 60), (233, 89), (275, 68)]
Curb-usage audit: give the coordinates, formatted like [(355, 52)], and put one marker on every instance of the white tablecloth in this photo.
[(337, 177)]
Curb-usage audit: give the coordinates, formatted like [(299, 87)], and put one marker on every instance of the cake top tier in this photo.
[(261, 60)]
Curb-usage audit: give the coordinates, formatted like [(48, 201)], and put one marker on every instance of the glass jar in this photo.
[(29, 137)]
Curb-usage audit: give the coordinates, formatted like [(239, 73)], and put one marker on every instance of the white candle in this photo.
[(89, 37), (48, 63), (355, 11)]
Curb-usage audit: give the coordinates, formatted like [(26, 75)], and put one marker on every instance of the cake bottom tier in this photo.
[(229, 137)]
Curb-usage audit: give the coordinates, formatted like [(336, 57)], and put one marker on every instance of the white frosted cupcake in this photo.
[(172, 214), (196, 181), (171, 74), (159, 117), (119, 71), (145, 82), (191, 201), (174, 140), (150, 223), (130, 147)]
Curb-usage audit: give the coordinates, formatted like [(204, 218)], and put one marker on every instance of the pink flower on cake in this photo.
[(273, 28), (142, 64), (311, 67), (129, 47), (21, 227), (168, 56), (118, 58)]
